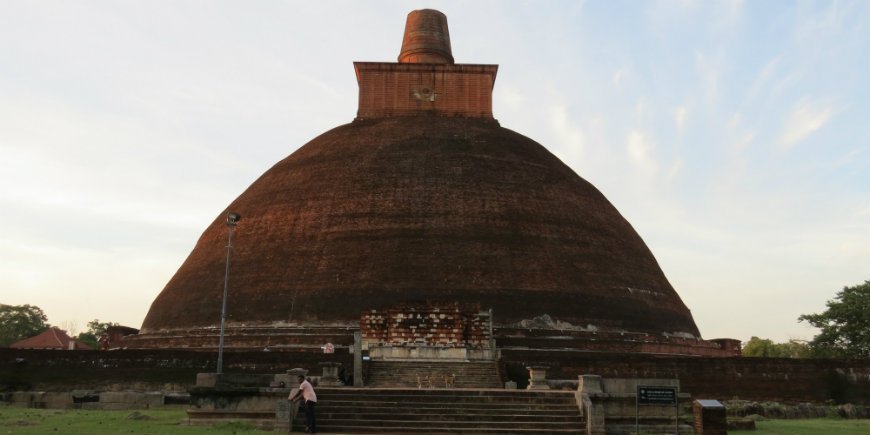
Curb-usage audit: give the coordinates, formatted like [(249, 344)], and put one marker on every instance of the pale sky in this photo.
[(734, 136)]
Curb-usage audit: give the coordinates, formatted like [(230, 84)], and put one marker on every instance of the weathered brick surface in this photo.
[(426, 38), (762, 379), (603, 341), (427, 208), (424, 196), (426, 323), (393, 89), (141, 369)]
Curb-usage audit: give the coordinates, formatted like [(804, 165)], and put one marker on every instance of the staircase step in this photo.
[(429, 429), (453, 411), (456, 416), (463, 374), (428, 408), (476, 424)]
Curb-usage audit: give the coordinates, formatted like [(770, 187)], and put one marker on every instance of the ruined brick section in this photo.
[(449, 325), (413, 89), (604, 341)]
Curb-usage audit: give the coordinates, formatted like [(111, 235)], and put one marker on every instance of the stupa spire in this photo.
[(426, 38)]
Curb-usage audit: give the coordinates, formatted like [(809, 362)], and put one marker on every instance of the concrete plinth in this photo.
[(329, 378), (537, 378)]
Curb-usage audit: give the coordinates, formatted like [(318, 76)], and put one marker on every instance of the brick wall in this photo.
[(769, 379), (427, 324), (399, 89), (142, 369), (613, 342)]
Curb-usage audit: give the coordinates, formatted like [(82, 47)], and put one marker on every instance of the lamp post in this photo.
[(232, 220)]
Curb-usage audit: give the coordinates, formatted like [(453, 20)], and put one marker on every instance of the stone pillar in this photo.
[(357, 359), (710, 417), (284, 415), (330, 375), (590, 395), (537, 378), (291, 378)]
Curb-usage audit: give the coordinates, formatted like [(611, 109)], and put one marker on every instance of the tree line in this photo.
[(844, 330), (18, 322)]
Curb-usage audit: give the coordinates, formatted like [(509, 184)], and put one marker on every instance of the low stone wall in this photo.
[(764, 410), (760, 379), (141, 369), (763, 379), (552, 338), (107, 400)]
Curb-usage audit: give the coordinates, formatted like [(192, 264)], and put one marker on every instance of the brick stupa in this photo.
[(423, 197)]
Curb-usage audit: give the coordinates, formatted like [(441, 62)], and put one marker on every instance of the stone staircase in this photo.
[(433, 374), (434, 411)]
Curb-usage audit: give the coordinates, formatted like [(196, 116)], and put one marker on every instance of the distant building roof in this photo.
[(52, 338)]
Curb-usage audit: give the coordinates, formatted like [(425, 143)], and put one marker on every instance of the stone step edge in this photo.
[(429, 431), (429, 422), (322, 427)]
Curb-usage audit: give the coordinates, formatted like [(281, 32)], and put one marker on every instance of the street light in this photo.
[(232, 220)]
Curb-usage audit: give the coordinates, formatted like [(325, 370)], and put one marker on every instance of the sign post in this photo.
[(656, 396)]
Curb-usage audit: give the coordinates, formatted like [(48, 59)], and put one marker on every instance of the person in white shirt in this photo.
[(306, 391)]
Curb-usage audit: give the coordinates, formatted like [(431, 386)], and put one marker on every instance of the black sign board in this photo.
[(656, 395)]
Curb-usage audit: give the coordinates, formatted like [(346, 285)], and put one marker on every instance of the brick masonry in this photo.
[(763, 379), (405, 89), (440, 324), (771, 379)]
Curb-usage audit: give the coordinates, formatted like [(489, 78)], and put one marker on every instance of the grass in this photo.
[(171, 421), (820, 426)]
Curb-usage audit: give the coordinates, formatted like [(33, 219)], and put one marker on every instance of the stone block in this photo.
[(709, 417), (537, 378), (58, 400), (153, 399), (207, 380), (121, 397), (22, 398)]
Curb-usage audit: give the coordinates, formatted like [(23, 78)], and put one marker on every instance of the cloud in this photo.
[(744, 141), (675, 170), (763, 77), (680, 117), (619, 76), (710, 69), (640, 153), (569, 135), (806, 118), (727, 15), (509, 97), (735, 120)]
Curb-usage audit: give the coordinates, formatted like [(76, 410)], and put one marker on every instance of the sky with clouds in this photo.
[(734, 136)]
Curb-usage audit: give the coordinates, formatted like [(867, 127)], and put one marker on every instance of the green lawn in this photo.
[(173, 422), (81, 422), (810, 427)]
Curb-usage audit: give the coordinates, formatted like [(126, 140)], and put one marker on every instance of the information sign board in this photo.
[(656, 395)]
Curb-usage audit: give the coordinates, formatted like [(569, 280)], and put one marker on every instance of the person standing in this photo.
[(309, 398)]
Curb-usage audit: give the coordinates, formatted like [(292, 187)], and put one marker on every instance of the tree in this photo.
[(766, 348), (845, 325), (18, 322), (95, 330), (758, 347)]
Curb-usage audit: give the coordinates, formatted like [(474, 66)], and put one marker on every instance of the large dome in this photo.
[(393, 209), (424, 199)]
